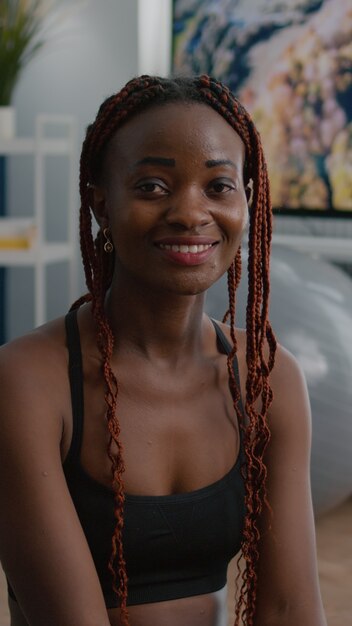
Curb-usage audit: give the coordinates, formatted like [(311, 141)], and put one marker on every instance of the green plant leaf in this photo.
[(21, 23)]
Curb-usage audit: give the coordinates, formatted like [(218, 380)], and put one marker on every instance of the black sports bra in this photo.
[(175, 546)]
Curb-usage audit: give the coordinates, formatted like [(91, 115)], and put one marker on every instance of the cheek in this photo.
[(127, 221), (237, 219), (131, 232)]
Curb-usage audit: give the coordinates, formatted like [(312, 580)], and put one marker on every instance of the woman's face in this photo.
[(173, 197)]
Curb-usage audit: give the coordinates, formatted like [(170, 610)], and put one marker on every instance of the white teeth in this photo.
[(192, 249)]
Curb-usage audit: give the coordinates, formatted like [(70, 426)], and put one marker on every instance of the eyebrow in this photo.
[(150, 160), (217, 162)]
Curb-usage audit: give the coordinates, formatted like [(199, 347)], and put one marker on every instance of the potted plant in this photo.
[(21, 38)]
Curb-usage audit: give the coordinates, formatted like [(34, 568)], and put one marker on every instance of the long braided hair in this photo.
[(138, 95)]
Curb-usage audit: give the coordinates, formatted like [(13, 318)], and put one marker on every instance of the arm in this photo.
[(288, 587), (42, 546)]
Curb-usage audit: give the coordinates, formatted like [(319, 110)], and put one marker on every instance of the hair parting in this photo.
[(138, 95)]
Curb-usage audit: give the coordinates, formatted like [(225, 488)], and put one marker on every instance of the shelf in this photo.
[(41, 253), (19, 146), (47, 253)]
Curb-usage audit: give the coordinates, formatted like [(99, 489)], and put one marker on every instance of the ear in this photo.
[(97, 202)]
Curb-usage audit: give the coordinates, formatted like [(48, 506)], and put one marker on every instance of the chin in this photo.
[(192, 286)]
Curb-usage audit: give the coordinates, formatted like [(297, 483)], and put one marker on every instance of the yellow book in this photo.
[(15, 243), (16, 234)]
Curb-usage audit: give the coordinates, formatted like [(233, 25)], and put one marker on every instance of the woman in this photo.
[(143, 445)]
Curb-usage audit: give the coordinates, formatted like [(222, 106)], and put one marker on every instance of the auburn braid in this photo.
[(138, 95), (256, 432)]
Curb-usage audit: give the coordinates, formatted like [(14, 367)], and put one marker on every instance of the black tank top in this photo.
[(175, 546)]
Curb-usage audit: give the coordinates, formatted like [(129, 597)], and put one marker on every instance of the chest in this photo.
[(178, 430)]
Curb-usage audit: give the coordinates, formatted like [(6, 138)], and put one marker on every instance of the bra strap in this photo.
[(76, 384), (224, 342)]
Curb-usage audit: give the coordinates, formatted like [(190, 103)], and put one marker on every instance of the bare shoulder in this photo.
[(33, 376), (55, 563), (289, 413), (33, 352), (285, 362), (287, 380)]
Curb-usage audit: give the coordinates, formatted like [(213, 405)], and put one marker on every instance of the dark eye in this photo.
[(148, 187), (221, 186), (151, 187)]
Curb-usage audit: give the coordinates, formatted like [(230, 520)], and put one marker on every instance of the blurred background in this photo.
[(291, 64)]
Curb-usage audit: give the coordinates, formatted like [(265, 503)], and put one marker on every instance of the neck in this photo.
[(160, 326)]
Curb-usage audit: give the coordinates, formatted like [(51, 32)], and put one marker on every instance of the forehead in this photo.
[(185, 129)]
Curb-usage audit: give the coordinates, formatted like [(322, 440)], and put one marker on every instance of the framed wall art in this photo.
[(290, 63)]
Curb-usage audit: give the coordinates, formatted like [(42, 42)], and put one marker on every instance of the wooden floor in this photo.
[(334, 544)]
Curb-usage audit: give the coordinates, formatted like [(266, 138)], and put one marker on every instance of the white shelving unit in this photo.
[(42, 253)]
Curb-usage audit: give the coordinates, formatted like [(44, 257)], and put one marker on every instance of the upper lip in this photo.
[(186, 241)]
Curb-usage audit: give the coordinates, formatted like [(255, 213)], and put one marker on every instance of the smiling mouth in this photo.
[(186, 249)]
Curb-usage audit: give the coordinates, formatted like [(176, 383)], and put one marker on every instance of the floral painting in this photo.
[(290, 64)]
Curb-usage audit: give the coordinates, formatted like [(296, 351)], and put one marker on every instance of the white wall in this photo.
[(90, 55), (92, 52), (155, 36)]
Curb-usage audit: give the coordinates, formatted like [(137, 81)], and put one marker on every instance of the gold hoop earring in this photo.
[(108, 245)]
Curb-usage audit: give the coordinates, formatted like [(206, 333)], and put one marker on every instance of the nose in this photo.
[(188, 210)]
